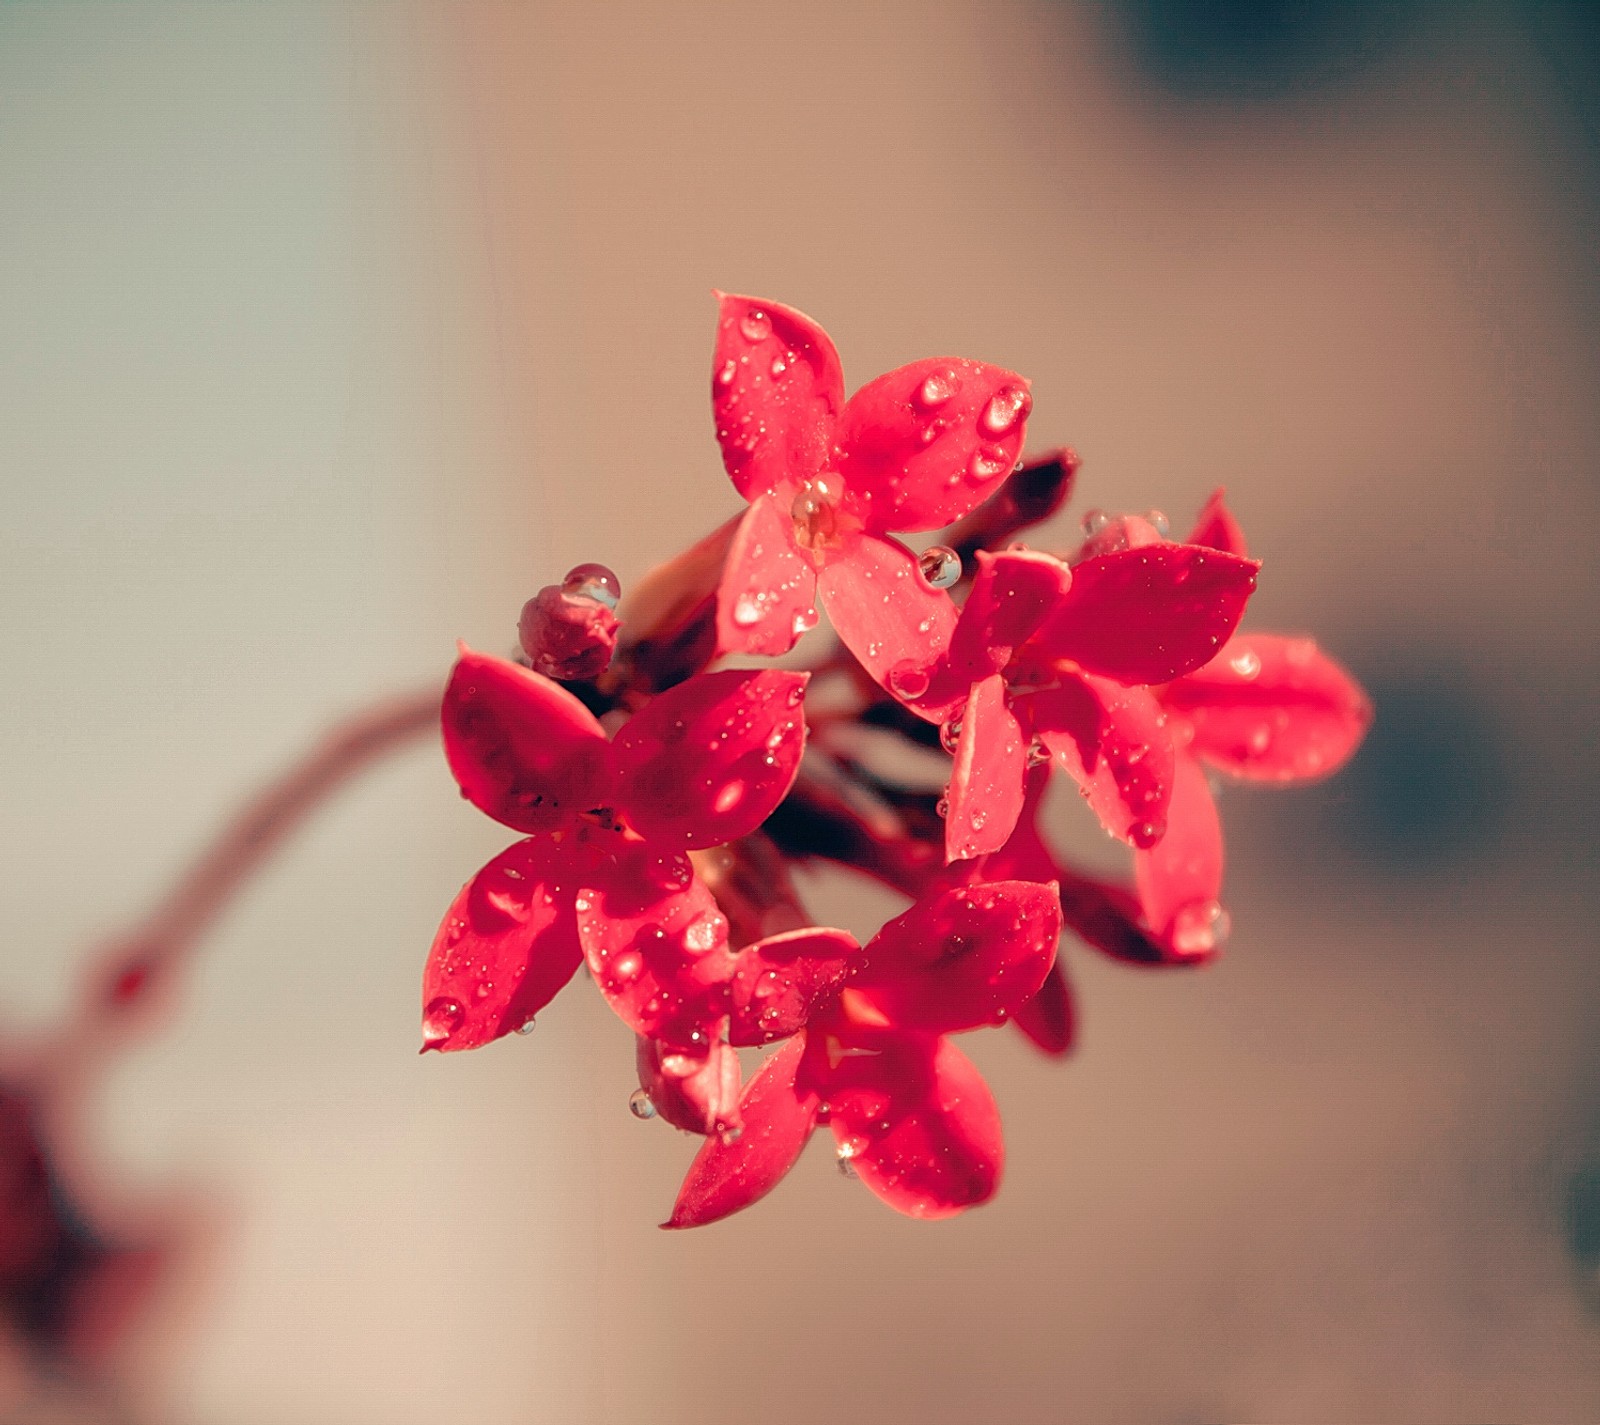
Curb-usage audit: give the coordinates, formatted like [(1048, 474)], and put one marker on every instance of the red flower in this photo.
[(828, 479), (603, 872), (910, 1114)]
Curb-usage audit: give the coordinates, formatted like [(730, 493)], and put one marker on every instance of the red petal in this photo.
[(657, 946), (508, 943), (1114, 743), (986, 781), (886, 613), (1217, 529), (779, 981), (1148, 615), (912, 457), (921, 1129), (710, 759), (1273, 709), (960, 959), (767, 597), (776, 386), (1049, 1019), (1180, 880), (778, 1119), (697, 1093), (523, 748)]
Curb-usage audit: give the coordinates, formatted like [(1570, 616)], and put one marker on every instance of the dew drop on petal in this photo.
[(950, 735), (1159, 522), (679, 1066), (1038, 753), (441, 1019), (805, 621), (844, 1161), (1199, 928), (1246, 664), (942, 807), (1145, 834), (640, 1106), (1094, 521), (1006, 407), (594, 581), (756, 325), (778, 367), (528, 1025), (988, 463), (747, 610), (937, 389), (908, 679), (703, 932), (940, 566)]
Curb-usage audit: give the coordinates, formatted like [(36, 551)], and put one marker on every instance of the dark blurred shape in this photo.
[(1259, 49), (1583, 1226), (1428, 787)]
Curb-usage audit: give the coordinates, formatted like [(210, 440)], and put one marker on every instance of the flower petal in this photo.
[(986, 781), (1049, 1019), (767, 597), (708, 760), (1029, 496), (1272, 709), (1147, 615), (1217, 529), (657, 945), (523, 748), (779, 981), (778, 1119), (776, 387), (920, 1128), (508, 943), (965, 957), (1114, 743), (698, 1093), (886, 613), (1180, 879), (924, 444)]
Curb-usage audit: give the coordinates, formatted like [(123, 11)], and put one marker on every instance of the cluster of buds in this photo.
[(663, 801)]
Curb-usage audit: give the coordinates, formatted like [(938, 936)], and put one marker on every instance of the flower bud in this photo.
[(566, 635)]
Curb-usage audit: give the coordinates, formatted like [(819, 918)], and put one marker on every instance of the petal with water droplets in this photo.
[(698, 1093), (1272, 709), (710, 759), (1147, 615), (920, 1128), (657, 945), (1180, 880), (958, 959), (776, 388), (779, 981), (1113, 741), (508, 943), (1217, 529), (987, 776), (924, 444), (779, 1116), (522, 747), (883, 610), (767, 597)]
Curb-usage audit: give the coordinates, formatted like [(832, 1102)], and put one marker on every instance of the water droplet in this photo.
[(728, 798), (730, 369), (640, 1106), (704, 932), (797, 696), (440, 1020), (937, 389), (950, 735), (1246, 664), (1038, 753), (1094, 521), (778, 367), (679, 1066), (626, 967), (756, 325), (988, 463), (805, 621), (908, 680), (594, 581), (815, 513), (1158, 521), (748, 609), (941, 808), (528, 1025), (731, 1135), (1260, 739), (845, 1162), (1006, 407), (1145, 834), (940, 566), (1200, 928)]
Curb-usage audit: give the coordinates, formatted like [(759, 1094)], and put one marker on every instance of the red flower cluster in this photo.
[(662, 804)]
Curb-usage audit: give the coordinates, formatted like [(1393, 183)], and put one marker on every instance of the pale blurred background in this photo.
[(329, 332)]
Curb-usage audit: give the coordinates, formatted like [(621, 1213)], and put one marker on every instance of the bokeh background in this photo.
[(329, 332)]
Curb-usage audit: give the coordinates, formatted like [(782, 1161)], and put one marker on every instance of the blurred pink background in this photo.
[(329, 332)]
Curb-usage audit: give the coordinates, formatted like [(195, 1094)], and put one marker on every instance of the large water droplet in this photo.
[(988, 462), (728, 370), (937, 389), (1145, 834), (748, 609), (703, 932), (805, 621), (640, 1106), (908, 679), (728, 798), (1006, 407), (1038, 753), (1094, 521), (1200, 928), (950, 735), (1158, 521), (756, 325), (815, 513), (940, 566), (440, 1019), (1246, 664), (594, 581), (528, 1025)]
